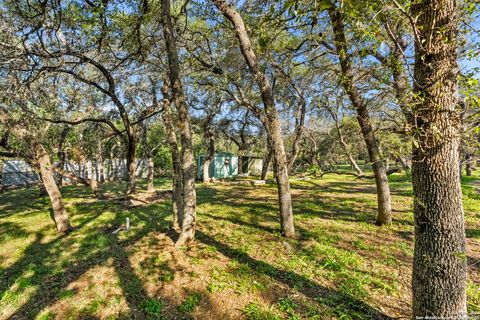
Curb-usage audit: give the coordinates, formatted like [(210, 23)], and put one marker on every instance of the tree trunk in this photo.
[(93, 179), (297, 135), (177, 183), (92, 183), (61, 152), (100, 162), (151, 170), (1, 176), (111, 165), (101, 170), (272, 120), (187, 233), (283, 184), (240, 161), (343, 143), (131, 179), (354, 164), (60, 215), (61, 164), (468, 165), (384, 215), (439, 262), (405, 165), (396, 62), (266, 163), (42, 191), (210, 137)]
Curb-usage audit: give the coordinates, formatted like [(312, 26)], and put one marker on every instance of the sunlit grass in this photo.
[(340, 266)]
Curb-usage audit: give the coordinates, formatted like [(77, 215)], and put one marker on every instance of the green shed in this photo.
[(224, 165)]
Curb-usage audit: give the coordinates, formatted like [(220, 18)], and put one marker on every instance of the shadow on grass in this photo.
[(100, 245), (337, 301), (472, 233), (21, 202), (34, 257), (350, 209), (11, 230), (95, 249)]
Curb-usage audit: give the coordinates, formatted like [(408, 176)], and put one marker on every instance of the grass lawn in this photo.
[(340, 267)]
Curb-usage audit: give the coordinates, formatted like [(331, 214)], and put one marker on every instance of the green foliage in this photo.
[(153, 308), (287, 305), (190, 303), (253, 311)]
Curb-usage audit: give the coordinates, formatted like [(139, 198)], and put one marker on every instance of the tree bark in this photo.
[(266, 163), (405, 165), (60, 215), (299, 128), (384, 215), (468, 165), (396, 63), (101, 166), (150, 174), (131, 149), (439, 262), (1, 176), (344, 144), (89, 182), (210, 137), (42, 191), (177, 183), (240, 161), (187, 233), (93, 180), (110, 165), (271, 116), (61, 152), (299, 119)]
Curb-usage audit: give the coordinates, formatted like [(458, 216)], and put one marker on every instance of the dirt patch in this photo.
[(145, 198)]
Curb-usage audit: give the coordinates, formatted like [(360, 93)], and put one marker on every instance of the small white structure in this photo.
[(19, 172)]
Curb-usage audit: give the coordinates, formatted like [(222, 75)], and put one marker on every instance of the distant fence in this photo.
[(19, 172)]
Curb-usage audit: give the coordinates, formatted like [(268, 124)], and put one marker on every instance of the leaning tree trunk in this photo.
[(266, 163), (272, 121), (177, 199), (344, 143), (405, 165), (439, 262), (353, 162), (60, 215), (42, 192), (92, 183), (384, 215), (187, 233)]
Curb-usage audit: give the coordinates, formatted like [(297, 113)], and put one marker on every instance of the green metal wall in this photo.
[(218, 168)]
